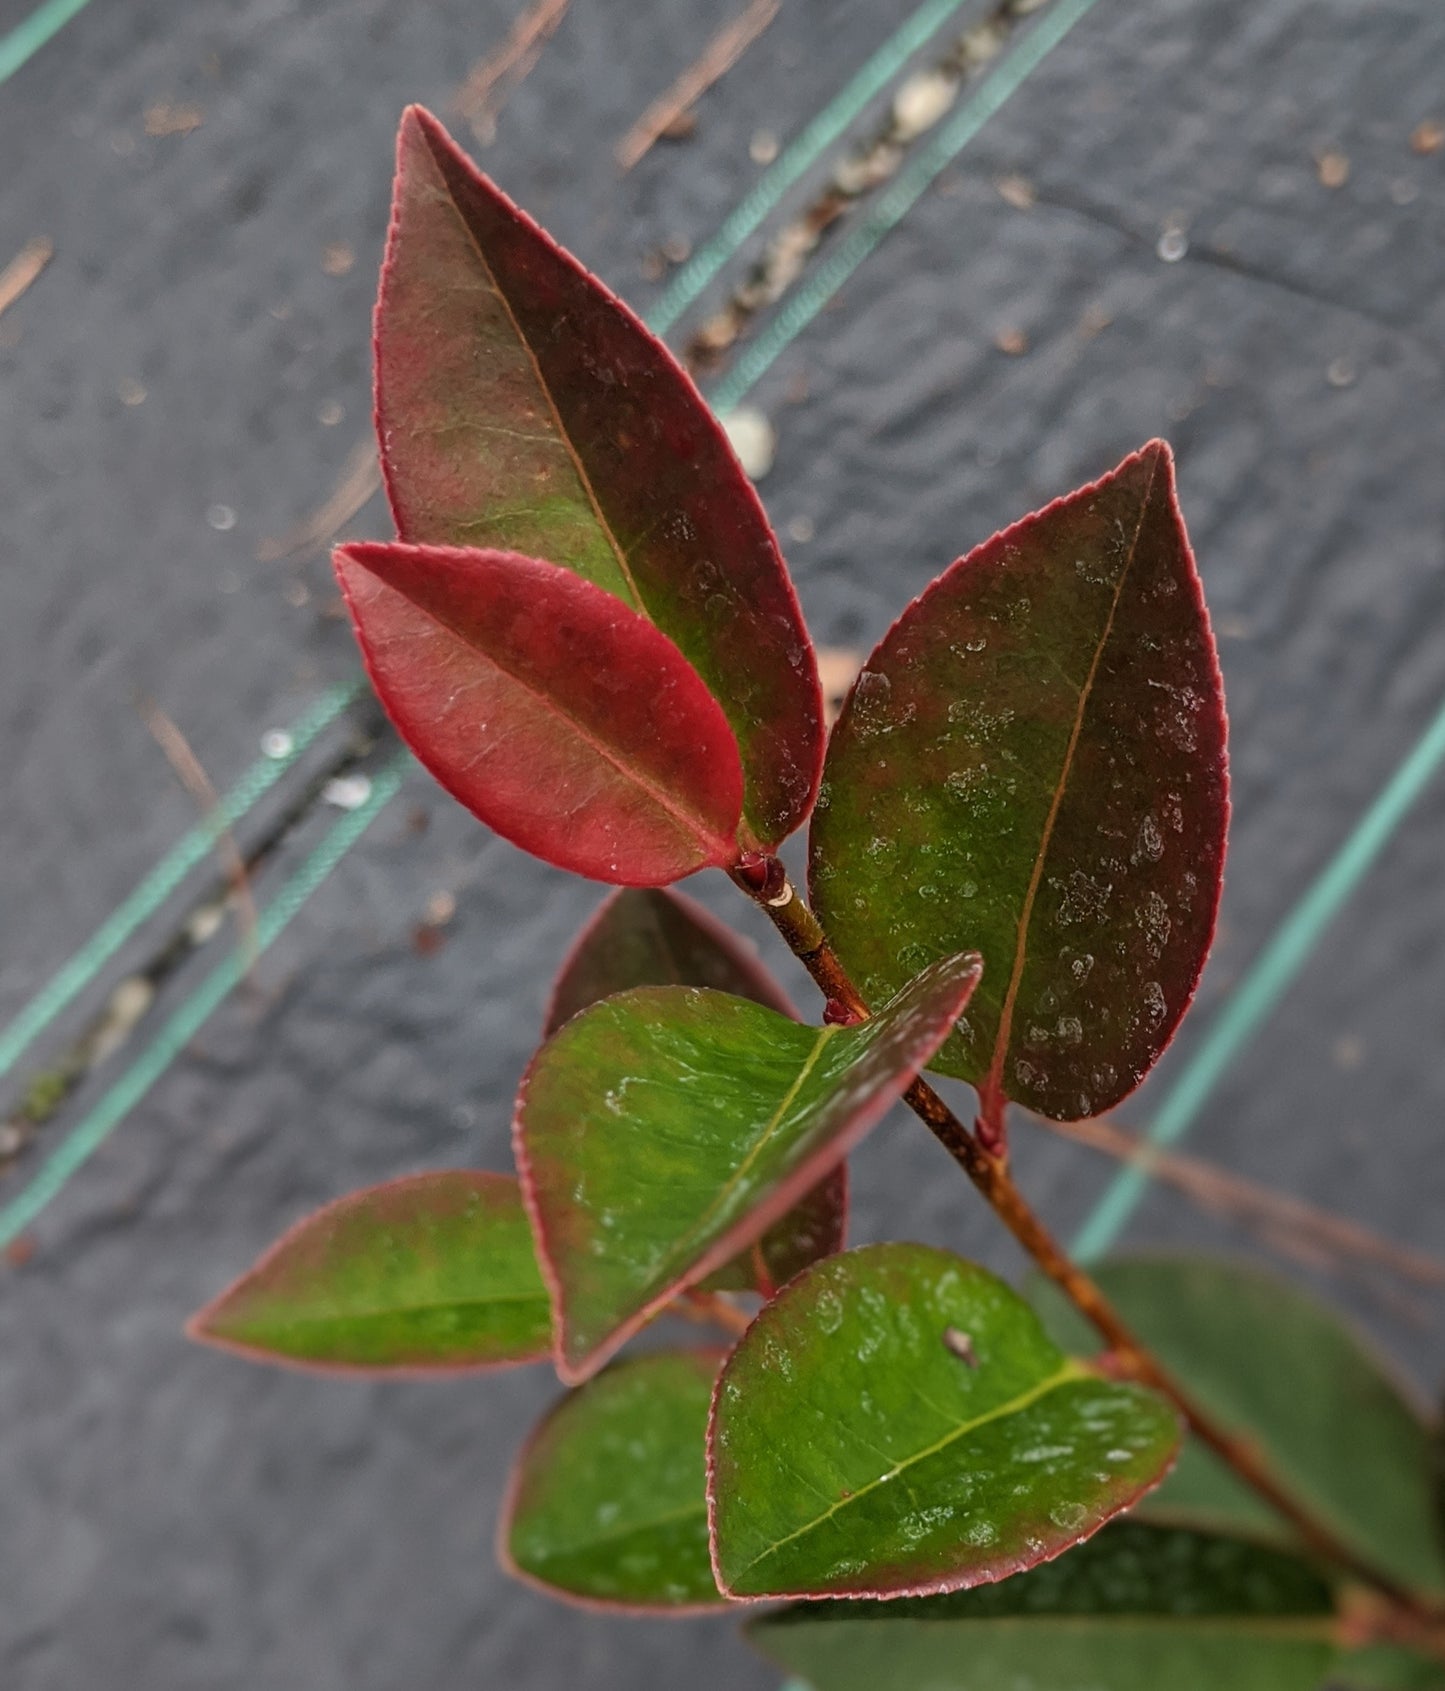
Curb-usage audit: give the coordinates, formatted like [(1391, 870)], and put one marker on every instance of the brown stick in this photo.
[(199, 785), (766, 882), (492, 80), (1288, 1221), (719, 57), (22, 270)]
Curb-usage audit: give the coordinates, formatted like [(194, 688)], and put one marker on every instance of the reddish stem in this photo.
[(980, 1154)]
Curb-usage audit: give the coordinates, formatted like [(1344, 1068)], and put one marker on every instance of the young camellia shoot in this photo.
[(585, 631)]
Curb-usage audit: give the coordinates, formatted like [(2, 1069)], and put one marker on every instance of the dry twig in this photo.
[(360, 479), (492, 81), (22, 270), (719, 57), (199, 785)]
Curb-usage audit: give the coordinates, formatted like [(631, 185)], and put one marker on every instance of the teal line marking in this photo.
[(974, 110), (29, 36), (122, 1097), (75, 975), (798, 157), (1267, 981), (186, 1021)]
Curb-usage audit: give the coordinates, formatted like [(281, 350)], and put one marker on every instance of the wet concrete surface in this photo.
[(174, 1518)]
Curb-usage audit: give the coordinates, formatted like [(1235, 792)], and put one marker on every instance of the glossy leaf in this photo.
[(656, 938), (1389, 1667), (520, 405), (854, 1451), (663, 1130), (1136, 1609), (562, 719), (608, 1501), (433, 1273), (1276, 1366), (1032, 764)]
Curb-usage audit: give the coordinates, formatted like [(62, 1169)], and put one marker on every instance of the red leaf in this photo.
[(521, 405), (562, 719), (1032, 762)]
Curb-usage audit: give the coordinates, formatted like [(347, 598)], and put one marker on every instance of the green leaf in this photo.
[(661, 1131), (608, 1501), (1390, 1667), (646, 937), (1136, 1609), (897, 1423), (433, 1273), (521, 406), (1274, 1365), (1032, 764)]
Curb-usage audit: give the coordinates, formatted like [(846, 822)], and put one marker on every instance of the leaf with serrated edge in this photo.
[(651, 937), (607, 1504), (1136, 1609), (853, 1452), (431, 1274), (1333, 1423), (521, 405), (1032, 763), (562, 719), (661, 1131)]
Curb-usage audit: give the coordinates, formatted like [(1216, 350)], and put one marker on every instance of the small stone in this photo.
[(801, 529), (1427, 137), (337, 258), (277, 743), (753, 438), (763, 148), (921, 102), (329, 413), (1017, 191), (130, 392), (1333, 169), (1011, 340), (347, 792), (1341, 372)]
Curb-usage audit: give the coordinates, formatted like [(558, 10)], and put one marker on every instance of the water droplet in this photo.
[(1068, 1515), (277, 743), (1173, 244), (220, 517), (828, 1311)]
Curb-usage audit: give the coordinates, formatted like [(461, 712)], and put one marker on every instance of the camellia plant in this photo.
[(1017, 826)]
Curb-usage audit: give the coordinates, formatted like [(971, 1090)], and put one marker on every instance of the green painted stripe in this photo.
[(894, 203), (29, 36), (183, 1025), (1273, 972), (75, 975), (799, 157)]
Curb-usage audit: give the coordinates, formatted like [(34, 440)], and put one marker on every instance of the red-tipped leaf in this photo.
[(661, 1131), (570, 724), (520, 405), (1032, 763), (429, 1274), (652, 937)]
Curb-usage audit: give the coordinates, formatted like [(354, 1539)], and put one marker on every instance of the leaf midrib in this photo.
[(1069, 1371), (730, 1185), (639, 603), (699, 830), (333, 1320), (993, 1081)]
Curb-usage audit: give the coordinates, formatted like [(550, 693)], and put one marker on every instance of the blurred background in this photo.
[(939, 263)]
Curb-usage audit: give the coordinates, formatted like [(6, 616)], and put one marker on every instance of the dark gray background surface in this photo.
[(175, 1519)]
